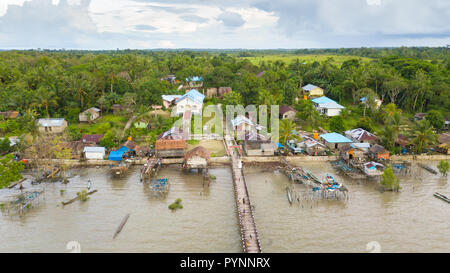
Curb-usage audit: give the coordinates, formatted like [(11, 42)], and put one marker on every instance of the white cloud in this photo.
[(166, 44)]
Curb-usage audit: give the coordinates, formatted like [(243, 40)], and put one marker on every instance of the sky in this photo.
[(252, 24)]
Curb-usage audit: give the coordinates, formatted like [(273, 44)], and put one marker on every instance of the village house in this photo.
[(223, 91), (94, 153), (312, 90), (169, 78), (89, 115), (287, 112), (192, 101), (211, 92), (378, 152), (243, 125), (194, 82), (327, 106), (10, 114), (444, 143), (351, 152), (312, 147), (334, 141), (360, 135), (419, 116), (197, 158), (92, 138), (171, 143), (378, 102), (51, 125), (169, 100), (258, 145)]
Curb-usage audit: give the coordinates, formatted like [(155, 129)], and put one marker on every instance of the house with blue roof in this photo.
[(327, 106), (194, 82), (192, 101), (334, 141)]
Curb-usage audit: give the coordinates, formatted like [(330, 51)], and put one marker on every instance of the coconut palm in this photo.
[(45, 98), (424, 135), (286, 129)]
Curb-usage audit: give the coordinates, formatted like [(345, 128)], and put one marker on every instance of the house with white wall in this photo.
[(191, 101), (327, 106)]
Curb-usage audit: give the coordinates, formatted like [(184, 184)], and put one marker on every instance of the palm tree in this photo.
[(424, 135), (45, 98), (286, 129)]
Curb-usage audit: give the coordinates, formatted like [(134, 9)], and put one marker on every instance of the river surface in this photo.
[(207, 222), (409, 221)]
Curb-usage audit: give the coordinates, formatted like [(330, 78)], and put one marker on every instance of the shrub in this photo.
[(389, 181)]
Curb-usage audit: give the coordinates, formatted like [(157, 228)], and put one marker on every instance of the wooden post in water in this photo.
[(122, 224)]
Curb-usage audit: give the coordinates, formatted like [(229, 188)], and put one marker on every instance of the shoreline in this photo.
[(220, 161)]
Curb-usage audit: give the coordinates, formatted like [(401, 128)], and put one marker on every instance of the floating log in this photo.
[(53, 173), (442, 197), (76, 198), (428, 168), (122, 224), (17, 183)]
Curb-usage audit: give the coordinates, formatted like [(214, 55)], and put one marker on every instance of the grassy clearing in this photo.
[(338, 59), (214, 146)]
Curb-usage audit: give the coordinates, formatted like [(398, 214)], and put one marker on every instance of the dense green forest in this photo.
[(41, 83)]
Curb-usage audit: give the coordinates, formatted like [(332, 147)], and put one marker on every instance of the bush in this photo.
[(443, 167), (389, 181), (176, 205)]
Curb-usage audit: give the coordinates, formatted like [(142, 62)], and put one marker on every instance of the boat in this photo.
[(289, 195), (331, 184), (428, 168), (160, 186), (442, 197), (313, 177), (121, 169)]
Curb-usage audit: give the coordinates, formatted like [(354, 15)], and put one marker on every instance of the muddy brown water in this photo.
[(409, 221)]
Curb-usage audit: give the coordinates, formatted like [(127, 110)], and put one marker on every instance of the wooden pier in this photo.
[(249, 233)]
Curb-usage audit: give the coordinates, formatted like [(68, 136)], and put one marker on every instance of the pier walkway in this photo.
[(249, 233)]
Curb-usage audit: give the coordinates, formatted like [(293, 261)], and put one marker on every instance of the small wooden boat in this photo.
[(428, 168), (289, 195), (313, 177), (442, 197)]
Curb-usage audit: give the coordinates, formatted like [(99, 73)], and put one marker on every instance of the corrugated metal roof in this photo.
[(325, 102), (360, 134), (241, 119), (193, 95), (94, 149), (50, 122), (309, 87), (170, 97), (335, 138), (194, 79)]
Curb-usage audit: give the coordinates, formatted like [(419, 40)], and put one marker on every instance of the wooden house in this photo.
[(242, 126), (211, 92), (351, 152), (223, 90), (378, 152), (90, 114), (171, 143), (116, 108), (360, 135), (92, 138), (287, 112), (10, 114), (197, 158), (258, 145), (51, 125), (312, 147)]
